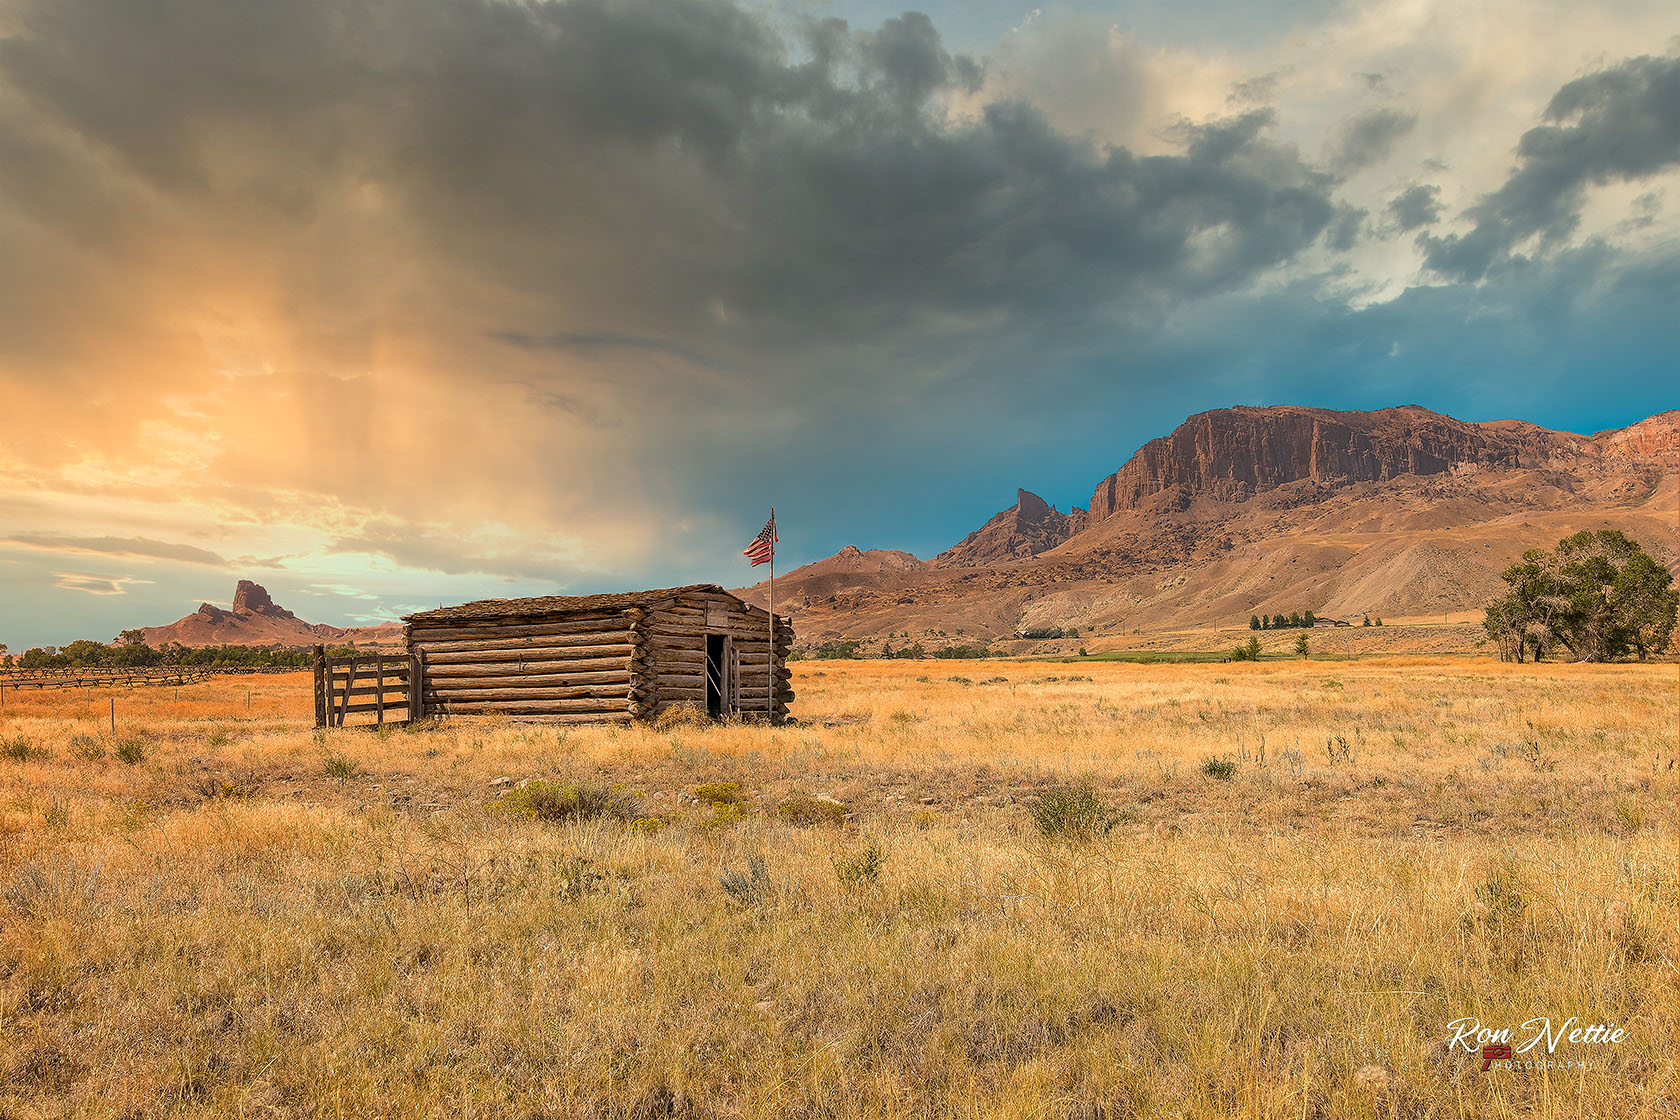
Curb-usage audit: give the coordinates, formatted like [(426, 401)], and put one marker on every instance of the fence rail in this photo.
[(91, 678), (367, 684)]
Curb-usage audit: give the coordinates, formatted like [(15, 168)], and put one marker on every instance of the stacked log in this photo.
[(573, 668), (644, 689)]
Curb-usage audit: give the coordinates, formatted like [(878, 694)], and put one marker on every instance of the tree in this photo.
[(1301, 644), (1644, 599), (1253, 624), (1600, 595), (1295, 620), (1367, 621), (86, 652), (1308, 618), (1279, 622), (1379, 620), (1248, 651)]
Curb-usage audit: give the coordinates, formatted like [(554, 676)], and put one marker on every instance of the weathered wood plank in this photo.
[(535, 653), (500, 628), (415, 689), (509, 668), (618, 636), (620, 704), (369, 707), (442, 700), (620, 678)]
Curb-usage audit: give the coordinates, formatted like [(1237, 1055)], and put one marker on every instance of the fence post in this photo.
[(416, 688), (320, 686), (379, 689)]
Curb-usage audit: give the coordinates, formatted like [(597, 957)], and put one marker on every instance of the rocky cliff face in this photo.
[(1656, 437), (257, 620), (254, 598), (1231, 454), (1027, 528)]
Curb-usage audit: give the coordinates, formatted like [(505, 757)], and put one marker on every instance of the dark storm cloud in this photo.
[(1417, 205), (1366, 139), (595, 343), (674, 171), (1621, 123)]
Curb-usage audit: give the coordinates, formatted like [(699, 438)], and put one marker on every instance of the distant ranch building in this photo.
[(602, 658)]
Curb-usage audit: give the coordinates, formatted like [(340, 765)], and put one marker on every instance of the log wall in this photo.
[(631, 663), (566, 669)]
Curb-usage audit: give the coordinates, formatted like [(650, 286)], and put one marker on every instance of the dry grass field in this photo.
[(1055, 890)]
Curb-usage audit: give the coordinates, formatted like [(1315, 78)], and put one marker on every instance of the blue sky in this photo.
[(386, 303)]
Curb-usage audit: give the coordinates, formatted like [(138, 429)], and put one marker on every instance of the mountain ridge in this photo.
[(1286, 507), (257, 620)]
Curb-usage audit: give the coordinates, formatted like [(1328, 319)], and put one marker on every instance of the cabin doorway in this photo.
[(719, 680)]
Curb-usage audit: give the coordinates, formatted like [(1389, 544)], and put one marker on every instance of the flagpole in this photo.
[(770, 663)]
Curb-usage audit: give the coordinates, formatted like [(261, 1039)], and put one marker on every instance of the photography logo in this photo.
[(1491, 1054), (1535, 1045)]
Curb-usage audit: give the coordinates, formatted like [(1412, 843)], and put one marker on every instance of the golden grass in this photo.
[(225, 928)]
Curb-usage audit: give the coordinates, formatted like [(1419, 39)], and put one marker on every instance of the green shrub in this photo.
[(1075, 812), (720, 793), (570, 801), (1220, 769), (22, 750), (1248, 651), (862, 867), (807, 811), (130, 751), (726, 813), (339, 767)]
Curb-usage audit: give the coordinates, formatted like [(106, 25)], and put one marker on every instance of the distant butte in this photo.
[(257, 620)]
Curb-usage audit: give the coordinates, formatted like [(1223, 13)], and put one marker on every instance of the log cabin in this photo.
[(603, 658)]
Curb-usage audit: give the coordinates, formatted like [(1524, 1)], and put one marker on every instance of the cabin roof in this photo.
[(543, 606)]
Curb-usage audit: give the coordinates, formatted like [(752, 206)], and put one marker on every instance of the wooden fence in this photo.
[(102, 678), (367, 684)]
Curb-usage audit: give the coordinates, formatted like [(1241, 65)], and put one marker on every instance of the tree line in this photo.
[(1598, 595), (131, 652)]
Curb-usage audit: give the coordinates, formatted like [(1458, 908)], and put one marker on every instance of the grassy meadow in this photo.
[(982, 888)]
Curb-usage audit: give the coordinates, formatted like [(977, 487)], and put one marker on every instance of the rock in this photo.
[(1235, 453), (926, 800), (1655, 437), (253, 598), (500, 783), (1027, 528), (257, 620)]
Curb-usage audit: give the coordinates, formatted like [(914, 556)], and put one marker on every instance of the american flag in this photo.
[(763, 547)]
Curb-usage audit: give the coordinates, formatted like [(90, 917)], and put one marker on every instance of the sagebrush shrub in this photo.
[(861, 867), (1074, 812), (750, 887), (806, 811), (339, 767), (719, 793), (568, 801), (1219, 768)]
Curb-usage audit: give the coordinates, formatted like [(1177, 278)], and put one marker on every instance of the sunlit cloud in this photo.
[(96, 585)]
